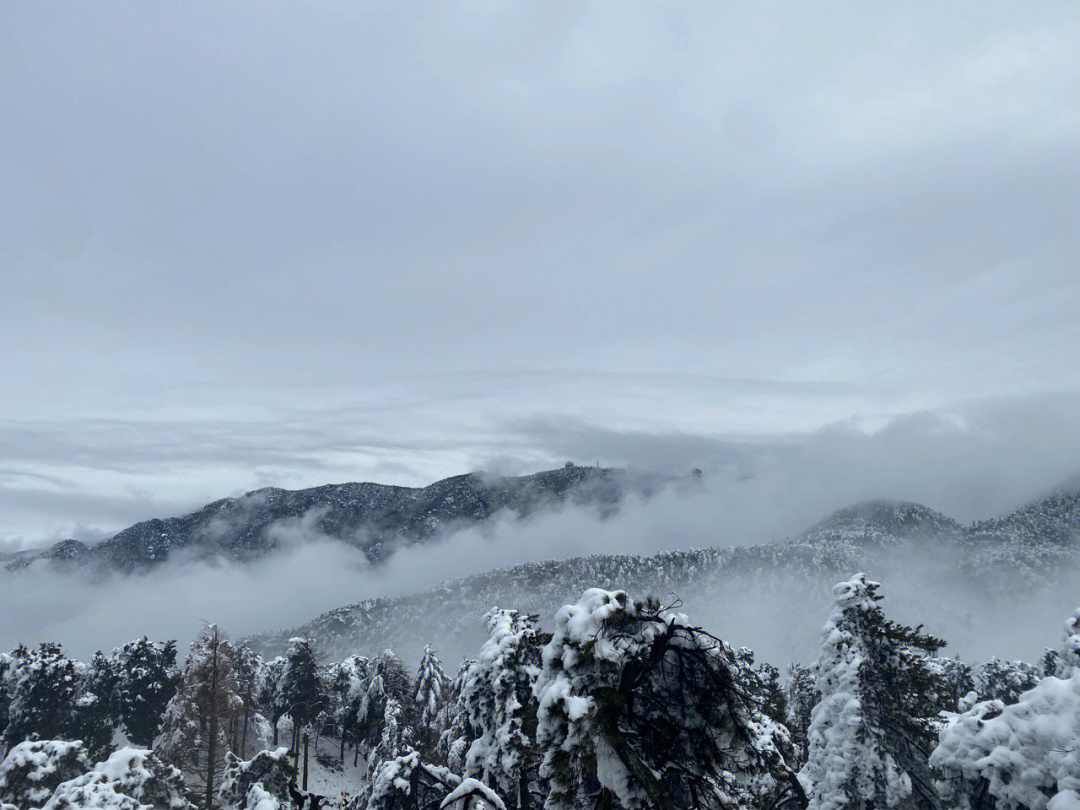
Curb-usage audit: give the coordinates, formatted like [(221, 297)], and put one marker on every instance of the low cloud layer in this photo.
[(752, 492), (969, 460)]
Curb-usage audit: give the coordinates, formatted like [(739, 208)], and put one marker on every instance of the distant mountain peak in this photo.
[(375, 518), (892, 517)]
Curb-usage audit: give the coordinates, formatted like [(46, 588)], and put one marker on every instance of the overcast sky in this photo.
[(254, 244)]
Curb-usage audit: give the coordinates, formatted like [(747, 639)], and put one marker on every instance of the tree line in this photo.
[(624, 704)]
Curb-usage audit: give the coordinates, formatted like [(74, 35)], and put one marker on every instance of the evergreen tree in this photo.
[(266, 780), (32, 770), (1003, 680), (387, 679), (872, 732), (955, 680), (45, 689), (7, 683), (767, 677), (271, 698), (802, 696), (248, 665), (406, 782), (95, 715), (301, 689), (346, 681), (432, 689), (195, 728), (146, 680), (1023, 755), (638, 708), (458, 735), (395, 735), (130, 777), (496, 695)]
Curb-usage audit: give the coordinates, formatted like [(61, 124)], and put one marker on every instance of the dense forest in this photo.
[(627, 703)]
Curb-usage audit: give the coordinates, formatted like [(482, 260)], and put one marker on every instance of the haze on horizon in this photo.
[(295, 244)]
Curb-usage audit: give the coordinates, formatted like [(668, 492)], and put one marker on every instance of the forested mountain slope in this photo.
[(374, 517), (1016, 553)]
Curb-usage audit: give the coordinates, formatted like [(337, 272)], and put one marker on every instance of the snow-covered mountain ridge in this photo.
[(374, 517), (1015, 554)]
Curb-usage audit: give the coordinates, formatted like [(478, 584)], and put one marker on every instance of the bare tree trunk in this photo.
[(305, 761), (275, 731), (414, 788), (243, 735), (523, 789)]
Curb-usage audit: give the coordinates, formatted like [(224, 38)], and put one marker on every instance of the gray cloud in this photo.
[(291, 245)]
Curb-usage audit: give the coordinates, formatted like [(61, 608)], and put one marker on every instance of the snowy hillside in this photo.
[(374, 517), (876, 535)]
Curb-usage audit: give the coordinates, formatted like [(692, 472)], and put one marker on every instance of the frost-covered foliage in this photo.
[(432, 688), (871, 732), (248, 728), (458, 735), (406, 782), (31, 771), (954, 678), (395, 736), (51, 697), (802, 696), (387, 710), (195, 729), (1024, 755), (473, 793), (638, 706), (497, 699), (345, 683), (1069, 659), (302, 690), (270, 696), (146, 679), (130, 776), (774, 698), (7, 684), (261, 783), (1004, 680)]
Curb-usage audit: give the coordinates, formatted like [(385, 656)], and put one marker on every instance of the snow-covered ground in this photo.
[(331, 777)]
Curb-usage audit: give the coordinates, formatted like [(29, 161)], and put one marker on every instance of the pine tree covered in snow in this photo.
[(1004, 680), (271, 698), (51, 698), (32, 770), (387, 682), (407, 783), (146, 679), (132, 777), (431, 690), (395, 734), (7, 683), (261, 783), (802, 696), (872, 731), (955, 680), (194, 734), (497, 698), (638, 708), (244, 731), (458, 735), (346, 688), (1024, 755), (95, 716), (302, 690)]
